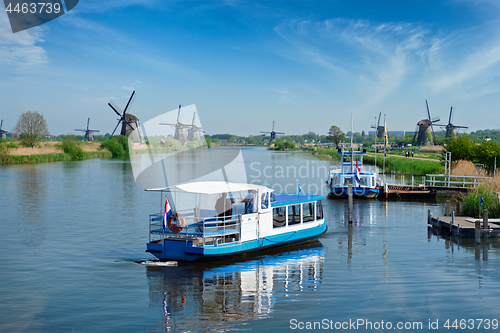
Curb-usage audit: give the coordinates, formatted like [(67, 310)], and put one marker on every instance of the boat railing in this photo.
[(208, 231)]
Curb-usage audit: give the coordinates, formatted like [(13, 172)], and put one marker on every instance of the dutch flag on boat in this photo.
[(166, 214), (356, 174)]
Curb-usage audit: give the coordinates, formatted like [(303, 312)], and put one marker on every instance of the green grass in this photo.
[(53, 157), (407, 166), (329, 153), (470, 204)]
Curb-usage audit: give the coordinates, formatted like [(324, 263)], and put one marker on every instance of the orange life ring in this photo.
[(175, 227)]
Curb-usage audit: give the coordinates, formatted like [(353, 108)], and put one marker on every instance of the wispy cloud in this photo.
[(377, 59), (128, 88), (21, 51), (372, 57), (468, 61), (284, 95)]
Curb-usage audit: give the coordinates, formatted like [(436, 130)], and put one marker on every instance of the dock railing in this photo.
[(455, 181), (201, 231)]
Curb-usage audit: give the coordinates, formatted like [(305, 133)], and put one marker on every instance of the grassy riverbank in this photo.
[(327, 153), (408, 166), (393, 164), (51, 157), (13, 153)]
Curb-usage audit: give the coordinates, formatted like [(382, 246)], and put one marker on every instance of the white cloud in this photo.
[(21, 50), (375, 59), (474, 70), (128, 88)]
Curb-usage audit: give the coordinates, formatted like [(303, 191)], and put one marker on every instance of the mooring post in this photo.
[(349, 193), (477, 231), (412, 180), (452, 217), (447, 208), (429, 216), (485, 220)]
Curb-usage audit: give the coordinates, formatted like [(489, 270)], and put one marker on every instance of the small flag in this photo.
[(356, 173), (166, 214), (481, 201), (299, 189)]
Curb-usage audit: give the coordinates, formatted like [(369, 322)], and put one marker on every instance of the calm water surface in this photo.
[(72, 232)]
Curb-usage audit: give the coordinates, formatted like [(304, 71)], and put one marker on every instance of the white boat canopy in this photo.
[(214, 187)]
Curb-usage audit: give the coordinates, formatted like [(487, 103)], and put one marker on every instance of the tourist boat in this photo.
[(192, 227), (351, 172)]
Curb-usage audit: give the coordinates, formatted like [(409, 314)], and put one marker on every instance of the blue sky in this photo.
[(305, 64)]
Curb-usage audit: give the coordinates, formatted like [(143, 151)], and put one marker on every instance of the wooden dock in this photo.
[(393, 191), (466, 227)]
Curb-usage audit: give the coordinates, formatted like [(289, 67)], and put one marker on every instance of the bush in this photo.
[(114, 147), (123, 140), (70, 146), (463, 148), (4, 153)]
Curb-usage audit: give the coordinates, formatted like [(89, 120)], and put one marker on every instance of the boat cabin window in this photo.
[(249, 203), (264, 201), (279, 217), (293, 214), (363, 181), (336, 180), (347, 180), (308, 212), (319, 210), (373, 181)]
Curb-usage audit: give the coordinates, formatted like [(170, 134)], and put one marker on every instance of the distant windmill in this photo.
[(3, 134), (273, 133), (424, 133), (195, 132), (450, 128), (129, 122), (180, 129), (88, 132), (379, 130)]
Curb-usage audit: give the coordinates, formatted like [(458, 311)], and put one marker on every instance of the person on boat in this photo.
[(248, 203), (223, 207)]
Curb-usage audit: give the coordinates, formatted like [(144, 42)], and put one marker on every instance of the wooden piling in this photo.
[(349, 193), (485, 220), (429, 216), (447, 208), (477, 231)]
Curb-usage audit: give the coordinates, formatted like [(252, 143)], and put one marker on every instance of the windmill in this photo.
[(424, 133), (3, 134), (88, 132), (379, 130), (195, 132), (130, 123), (273, 133), (180, 128), (450, 128)]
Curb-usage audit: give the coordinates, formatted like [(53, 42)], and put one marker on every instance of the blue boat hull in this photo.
[(358, 192), (185, 251)]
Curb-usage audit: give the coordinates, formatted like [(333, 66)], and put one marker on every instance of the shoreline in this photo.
[(49, 152)]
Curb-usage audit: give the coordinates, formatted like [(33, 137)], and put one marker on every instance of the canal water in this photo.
[(72, 234)]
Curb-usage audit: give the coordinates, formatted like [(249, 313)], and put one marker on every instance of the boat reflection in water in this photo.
[(211, 297)]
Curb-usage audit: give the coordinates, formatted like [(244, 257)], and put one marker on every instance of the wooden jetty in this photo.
[(393, 191), (466, 227)]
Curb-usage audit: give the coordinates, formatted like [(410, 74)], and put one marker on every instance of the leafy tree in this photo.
[(32, 128), (335, 135)]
